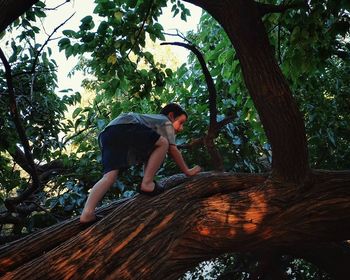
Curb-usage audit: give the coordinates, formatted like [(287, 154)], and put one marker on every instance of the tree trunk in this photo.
[(161, 237), (278, 112), (200, 219)]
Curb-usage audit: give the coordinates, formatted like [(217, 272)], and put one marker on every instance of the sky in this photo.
[(65, 65)]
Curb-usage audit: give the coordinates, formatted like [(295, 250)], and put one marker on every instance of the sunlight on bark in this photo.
[(127, 240), (255, 213), (219, 210), (7, 262), (161, 226)]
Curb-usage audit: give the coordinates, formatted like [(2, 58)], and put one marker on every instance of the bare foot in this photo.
[(147, 187), (87, 217)]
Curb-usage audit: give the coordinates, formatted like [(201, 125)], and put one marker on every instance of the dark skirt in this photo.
[(124, 145)]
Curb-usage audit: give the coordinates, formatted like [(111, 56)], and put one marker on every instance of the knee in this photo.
[(163, 142)]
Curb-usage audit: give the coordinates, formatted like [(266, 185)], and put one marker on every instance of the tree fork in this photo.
[(278, 112)]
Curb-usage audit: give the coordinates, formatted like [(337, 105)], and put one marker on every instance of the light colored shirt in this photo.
[(159, 123)]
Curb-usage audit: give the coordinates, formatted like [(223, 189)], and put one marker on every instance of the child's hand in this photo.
[(193, 171)]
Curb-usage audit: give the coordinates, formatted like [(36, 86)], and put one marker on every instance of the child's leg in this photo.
[(154, 162), (96, 194)]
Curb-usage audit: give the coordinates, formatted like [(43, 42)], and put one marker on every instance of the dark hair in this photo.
[(173, 108)]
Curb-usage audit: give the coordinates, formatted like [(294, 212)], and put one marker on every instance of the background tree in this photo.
[(261, 210)]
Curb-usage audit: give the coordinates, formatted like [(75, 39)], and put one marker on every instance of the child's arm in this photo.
[(179, 160)]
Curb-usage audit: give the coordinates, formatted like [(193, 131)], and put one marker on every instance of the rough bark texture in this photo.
[(201, 218), (268, 87), (161, 237)]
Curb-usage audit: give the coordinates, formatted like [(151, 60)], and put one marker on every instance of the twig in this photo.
[(141, 28), (179, 34), (47, 41), (55, 8)]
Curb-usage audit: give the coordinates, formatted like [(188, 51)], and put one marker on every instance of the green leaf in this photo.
[(70, 33), (86, 20), (76, 112), (63, 43)]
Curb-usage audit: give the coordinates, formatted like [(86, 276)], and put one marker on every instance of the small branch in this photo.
[(214, 126), (141, 28), (47, 41), (58, 6), (208, 79), (194, 143), (20, 129), (76, 135), (225, 121), (178, 34)]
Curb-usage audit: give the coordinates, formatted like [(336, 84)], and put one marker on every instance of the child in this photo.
[(133, 138)]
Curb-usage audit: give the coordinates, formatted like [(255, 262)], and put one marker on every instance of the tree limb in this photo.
[(282, 121), (213, 130), (21, 133), (10, 12), (46, 42), (212, 213), (142, 26), (208, 78)]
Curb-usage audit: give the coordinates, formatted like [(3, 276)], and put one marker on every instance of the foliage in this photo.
[(311, 45), (243, 141), (241, 266), (42, 114)]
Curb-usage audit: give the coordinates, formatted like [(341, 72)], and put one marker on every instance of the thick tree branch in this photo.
[(282, 121), (10, 12), (224, 213)]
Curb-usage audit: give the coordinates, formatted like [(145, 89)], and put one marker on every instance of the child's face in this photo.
[(178, 123)]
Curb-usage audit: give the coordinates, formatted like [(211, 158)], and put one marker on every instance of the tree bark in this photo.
[(278, 112), (162, 237), (198, 220)]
